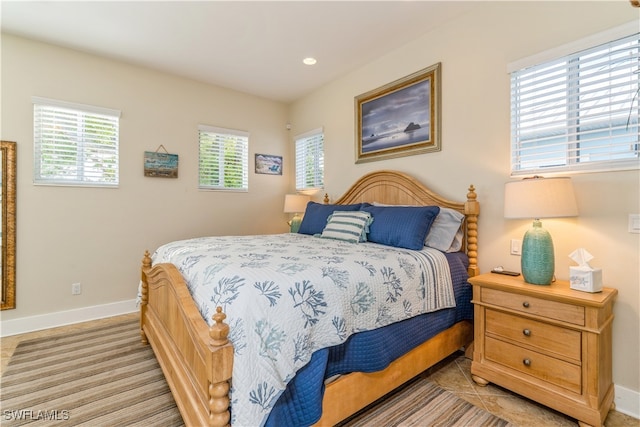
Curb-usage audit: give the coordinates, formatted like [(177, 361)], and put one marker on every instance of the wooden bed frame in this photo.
[(197, 360)]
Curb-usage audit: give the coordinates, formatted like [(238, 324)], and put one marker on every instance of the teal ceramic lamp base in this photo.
[(295, 223), (537, 261)]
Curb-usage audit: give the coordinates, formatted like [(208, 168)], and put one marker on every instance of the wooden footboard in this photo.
[(197, 360)]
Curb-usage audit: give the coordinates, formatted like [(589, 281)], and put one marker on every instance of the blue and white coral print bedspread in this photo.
[(287, 295)]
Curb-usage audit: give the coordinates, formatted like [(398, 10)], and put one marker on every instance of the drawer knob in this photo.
[(526, 332), (525, 304), (526, 362)]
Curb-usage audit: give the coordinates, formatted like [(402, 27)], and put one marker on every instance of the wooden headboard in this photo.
[(397, 188)]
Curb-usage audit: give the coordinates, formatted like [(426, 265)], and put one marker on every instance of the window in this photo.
[(75, 144), (310, 160), (578, 112), (223, 159)]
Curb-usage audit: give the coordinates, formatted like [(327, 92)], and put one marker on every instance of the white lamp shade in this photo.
[(295, 203), (540, 198)]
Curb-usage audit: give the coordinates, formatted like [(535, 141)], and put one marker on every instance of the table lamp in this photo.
[(537, 198), (295, 204)]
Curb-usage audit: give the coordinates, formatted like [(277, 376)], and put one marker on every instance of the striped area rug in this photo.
[(106, 377), (98, 377), (421, 403)]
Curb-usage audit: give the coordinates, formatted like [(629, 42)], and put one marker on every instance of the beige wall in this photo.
[(474, 51), (97, 236)]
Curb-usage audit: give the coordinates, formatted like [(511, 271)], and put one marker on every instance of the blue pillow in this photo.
[(316, 215), (401, 226)]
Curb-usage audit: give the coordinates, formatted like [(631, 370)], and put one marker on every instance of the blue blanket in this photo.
[(369, 351)]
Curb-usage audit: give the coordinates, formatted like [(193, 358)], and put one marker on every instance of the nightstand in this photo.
[(551, 344)]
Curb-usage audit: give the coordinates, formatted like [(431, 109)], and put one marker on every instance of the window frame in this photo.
[(314, 150), (221, 133), (580, 138), (50, 114)]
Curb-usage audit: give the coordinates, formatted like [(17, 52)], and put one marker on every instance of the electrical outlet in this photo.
[(516, 247), (76, 289)]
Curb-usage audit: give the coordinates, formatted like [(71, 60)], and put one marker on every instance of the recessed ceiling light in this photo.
[(309, 61)]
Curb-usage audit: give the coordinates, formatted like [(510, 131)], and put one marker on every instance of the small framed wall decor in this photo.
[(160, 165), (401, 118), (268, 164)]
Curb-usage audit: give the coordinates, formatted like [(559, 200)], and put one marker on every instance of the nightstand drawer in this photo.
[(536, 306), (548, 369), (549, 343), (548, 339)]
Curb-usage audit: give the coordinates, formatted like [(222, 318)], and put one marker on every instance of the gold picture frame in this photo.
[(8, 261), (401, 118)]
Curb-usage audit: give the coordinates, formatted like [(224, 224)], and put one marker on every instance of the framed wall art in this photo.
[(160, 165), (268, 164), (401, 118)]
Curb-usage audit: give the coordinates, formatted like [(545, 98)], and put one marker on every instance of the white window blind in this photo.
[(223, 159), (75, 144), (578, 112), (310, 160)]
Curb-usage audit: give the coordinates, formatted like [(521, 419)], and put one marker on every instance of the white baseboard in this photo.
[(627, 401), (69, 317)]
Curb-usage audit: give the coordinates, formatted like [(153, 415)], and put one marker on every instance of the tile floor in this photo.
[(452, 374)]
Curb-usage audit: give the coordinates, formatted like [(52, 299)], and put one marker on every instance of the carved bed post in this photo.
[(472, 210), (219, 415), (144, 293)]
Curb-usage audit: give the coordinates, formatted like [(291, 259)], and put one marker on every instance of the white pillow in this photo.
[(446, 232), (350, 226)]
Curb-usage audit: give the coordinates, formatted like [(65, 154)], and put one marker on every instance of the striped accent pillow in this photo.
[(350, 226)]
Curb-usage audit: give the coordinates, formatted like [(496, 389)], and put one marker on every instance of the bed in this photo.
[(197, 355)]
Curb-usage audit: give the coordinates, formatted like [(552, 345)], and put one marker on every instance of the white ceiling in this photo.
[(254, 47)]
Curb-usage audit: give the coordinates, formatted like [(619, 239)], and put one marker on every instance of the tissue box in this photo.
[(585, 279)]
